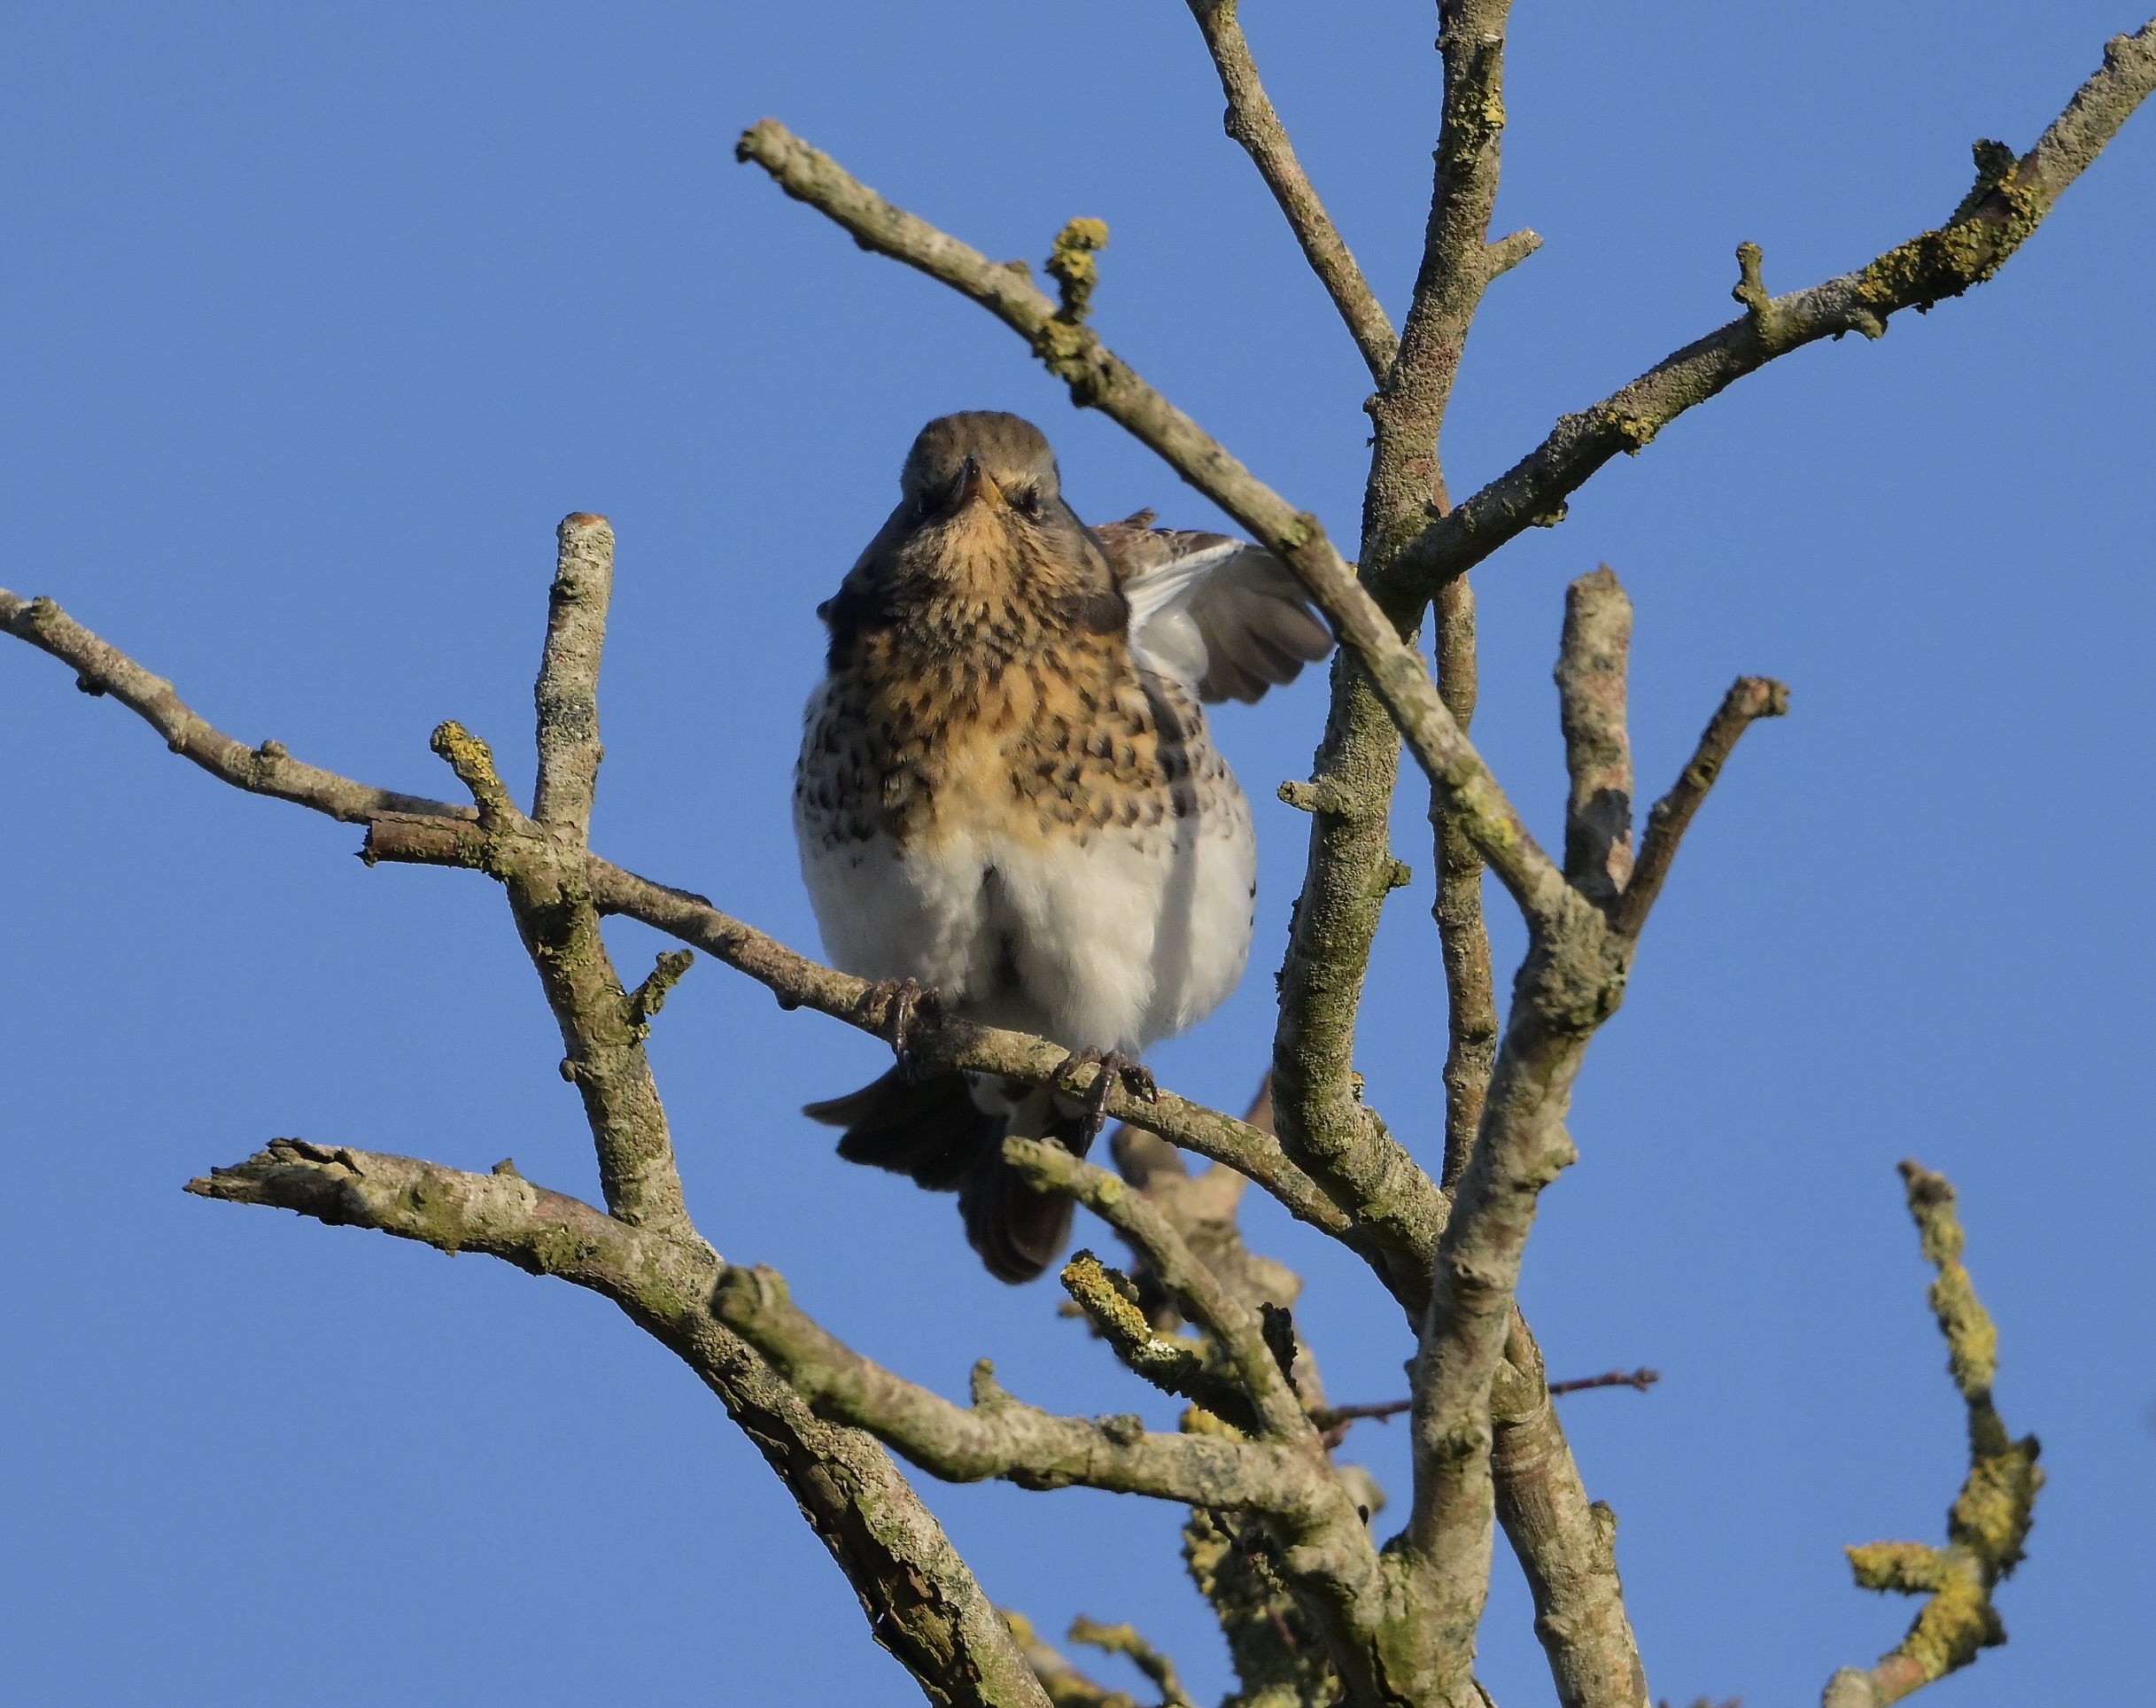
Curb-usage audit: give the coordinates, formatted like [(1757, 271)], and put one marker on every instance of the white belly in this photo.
[(1112, 943)]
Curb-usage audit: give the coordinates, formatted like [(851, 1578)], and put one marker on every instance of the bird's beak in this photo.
[(974, 482)]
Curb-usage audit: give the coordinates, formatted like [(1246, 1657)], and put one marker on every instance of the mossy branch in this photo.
[(1988, 1523)]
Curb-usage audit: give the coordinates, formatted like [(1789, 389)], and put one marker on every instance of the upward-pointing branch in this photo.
[(1252, 121)]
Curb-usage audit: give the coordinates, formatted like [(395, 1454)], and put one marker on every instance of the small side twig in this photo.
[(1332, 1416), (1749, 698)]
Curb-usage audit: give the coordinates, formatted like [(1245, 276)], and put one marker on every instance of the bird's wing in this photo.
[(1222, 615)]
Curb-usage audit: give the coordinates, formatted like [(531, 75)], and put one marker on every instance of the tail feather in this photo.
[(936, 1133)]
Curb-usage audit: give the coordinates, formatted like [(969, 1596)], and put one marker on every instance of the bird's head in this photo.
[(981, 539), (980, 470)]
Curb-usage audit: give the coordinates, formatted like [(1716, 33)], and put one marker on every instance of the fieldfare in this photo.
[(1007, 805)]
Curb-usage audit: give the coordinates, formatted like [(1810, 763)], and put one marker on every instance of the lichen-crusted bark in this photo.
[(1990, 1519)]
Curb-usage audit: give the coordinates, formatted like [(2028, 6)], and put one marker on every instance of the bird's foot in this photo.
[(1114, 1065), (895, 1007)]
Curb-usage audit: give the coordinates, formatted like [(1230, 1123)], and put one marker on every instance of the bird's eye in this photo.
[(1025, 499)]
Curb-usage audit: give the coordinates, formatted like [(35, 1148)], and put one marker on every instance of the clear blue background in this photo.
[(316, 319)]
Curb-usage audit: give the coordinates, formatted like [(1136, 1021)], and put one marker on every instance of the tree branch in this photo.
[(923, 1605), (1566, 1545), (1252, 121), (1749, 698), (1990, 1519), (1463, 935), (266, 770), (1591, 668), (567, 694), (998, 1436), (1236, 1326), (2010, 198)]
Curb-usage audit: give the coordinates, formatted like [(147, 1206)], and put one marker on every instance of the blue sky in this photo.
[(315, 321)]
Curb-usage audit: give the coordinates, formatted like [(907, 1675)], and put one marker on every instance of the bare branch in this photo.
[(1990, 1519), (1463, 935), (1749, 697), (101, 669), (1406, 478), (1566, 1545), (1099, 379), (998, 1436), (567, 694), (1591, 667), (2010, 198), (1641, 1379), (1236, 1327), (922, 1603), (1252, 121)]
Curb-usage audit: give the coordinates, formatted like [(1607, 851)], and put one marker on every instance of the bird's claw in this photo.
[(899, 1006), (1114, 1065)]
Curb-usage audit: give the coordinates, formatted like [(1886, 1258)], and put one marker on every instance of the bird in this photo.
[(1009, 809)]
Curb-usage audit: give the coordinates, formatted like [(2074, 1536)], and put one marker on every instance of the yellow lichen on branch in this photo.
[(1990, 1519)]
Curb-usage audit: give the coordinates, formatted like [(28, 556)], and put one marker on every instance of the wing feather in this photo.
[(1219, 615)]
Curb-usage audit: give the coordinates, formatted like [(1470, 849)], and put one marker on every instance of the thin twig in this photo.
[(1749, 699), (1332, 1416), (1252, 121)]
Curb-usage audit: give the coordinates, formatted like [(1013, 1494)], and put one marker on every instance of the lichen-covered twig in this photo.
[(923, 1605), (1124, 1640), (1990, 1519), (1236, 1327), (1252, 121), (2010, 199), (1171, 1364)]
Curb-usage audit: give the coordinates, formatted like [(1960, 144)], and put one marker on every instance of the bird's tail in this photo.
[(936, 1131)]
